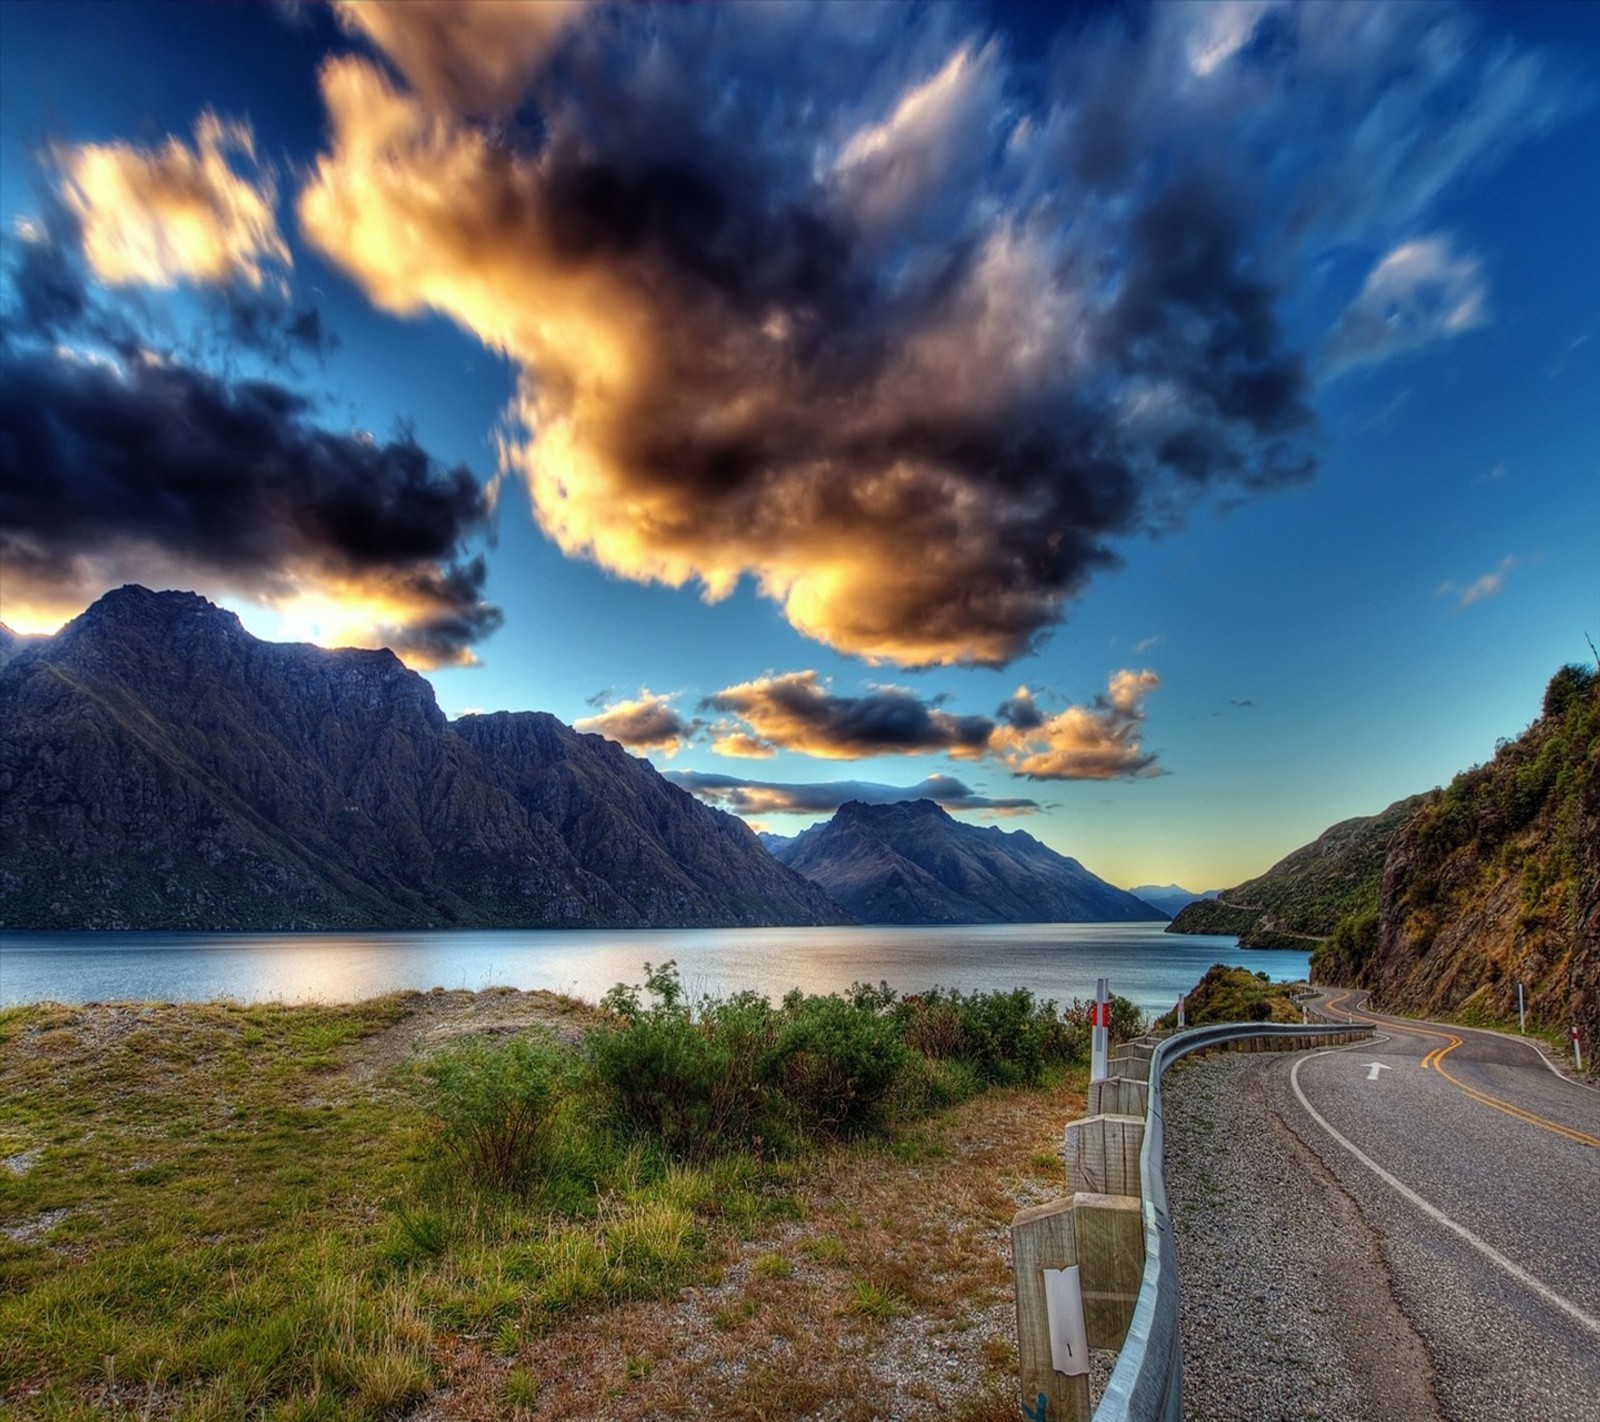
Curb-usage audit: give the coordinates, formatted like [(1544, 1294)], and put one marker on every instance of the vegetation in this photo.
[(227, 1211), (1227, 994), (1307, 894)]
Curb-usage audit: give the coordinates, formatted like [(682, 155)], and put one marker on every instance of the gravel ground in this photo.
[(1287, 1309)]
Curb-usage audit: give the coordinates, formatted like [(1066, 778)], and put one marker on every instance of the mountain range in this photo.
[(912, 863), (161, 768)]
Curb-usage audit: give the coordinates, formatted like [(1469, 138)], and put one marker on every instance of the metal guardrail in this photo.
[(1147, 1383)]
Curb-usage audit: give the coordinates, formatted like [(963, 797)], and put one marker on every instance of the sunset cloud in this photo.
[(474, 56), (158, 216), (836, 303), (142, 469), (756, 797), (1100, 741), (644, 723), (797, 712)]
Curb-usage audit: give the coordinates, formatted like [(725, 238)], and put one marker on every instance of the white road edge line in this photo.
[(1489, 1252)]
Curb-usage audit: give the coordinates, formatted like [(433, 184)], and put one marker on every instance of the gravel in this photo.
[(1285, 1302)]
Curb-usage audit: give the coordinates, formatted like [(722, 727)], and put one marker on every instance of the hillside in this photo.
[(1495, 880), (161, 768), (1306, 894), (912, 863)]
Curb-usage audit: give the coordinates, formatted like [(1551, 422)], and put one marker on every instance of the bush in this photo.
[(495, 1102), (834, 1064)]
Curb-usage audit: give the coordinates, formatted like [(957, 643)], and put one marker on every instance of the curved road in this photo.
[(1477, 1168)]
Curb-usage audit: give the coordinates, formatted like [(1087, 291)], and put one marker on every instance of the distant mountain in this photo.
[(1170, 898), (1494, 881), (1302, 898), (161, 768), (912, 863), (773, 843)]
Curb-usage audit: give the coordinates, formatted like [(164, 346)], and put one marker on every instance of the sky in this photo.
[(1166, 429)]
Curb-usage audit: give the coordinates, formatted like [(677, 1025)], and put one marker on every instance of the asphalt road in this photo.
[(1475, 1170)]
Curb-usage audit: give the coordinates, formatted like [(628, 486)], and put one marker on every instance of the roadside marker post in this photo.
[(1183, 1001), (1522, 1019), (1100, 1040), (1577, 1048)]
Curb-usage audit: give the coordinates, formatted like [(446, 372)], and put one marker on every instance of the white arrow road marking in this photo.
[(1373, 1068), (1489, 1252)]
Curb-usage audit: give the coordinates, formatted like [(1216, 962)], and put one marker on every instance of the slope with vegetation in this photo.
[(1305, 896), (1493, 881)]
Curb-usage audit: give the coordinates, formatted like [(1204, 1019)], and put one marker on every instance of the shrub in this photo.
[(495, 1102), (834, 1064)]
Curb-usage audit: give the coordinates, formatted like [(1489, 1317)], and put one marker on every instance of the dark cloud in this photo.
[(146, 470), (757, 797), (830, 297), (797, 712)]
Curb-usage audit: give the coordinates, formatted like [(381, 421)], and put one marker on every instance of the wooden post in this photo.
[(1044, 1238), (1120, 1096), (1136, 1067), (1110, 1239), (1102, 1154)]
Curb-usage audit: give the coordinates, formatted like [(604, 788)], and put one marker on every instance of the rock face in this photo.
[(1305, 895), (912, 863), (161, 768), (1496, 880)]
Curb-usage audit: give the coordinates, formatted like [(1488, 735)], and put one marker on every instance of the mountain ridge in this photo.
[(910, 862), (161, 767)]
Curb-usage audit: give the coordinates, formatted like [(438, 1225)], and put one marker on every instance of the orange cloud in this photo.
[(646, 723), (155, 217), (1095, 742), (475, 56)]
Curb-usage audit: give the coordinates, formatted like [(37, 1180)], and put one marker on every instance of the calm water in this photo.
[(1059, 961)]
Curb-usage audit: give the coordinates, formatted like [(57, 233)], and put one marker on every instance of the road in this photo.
[(1476, 1168)]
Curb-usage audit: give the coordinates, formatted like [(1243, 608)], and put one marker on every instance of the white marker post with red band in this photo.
[(1100, 1039), (1577, 1048)]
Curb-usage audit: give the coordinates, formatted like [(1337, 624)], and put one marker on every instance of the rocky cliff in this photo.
[(1495, 881), (912, 863), (160, 767), (1306, 894)]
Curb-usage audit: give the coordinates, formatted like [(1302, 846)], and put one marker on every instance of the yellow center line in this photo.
[(1435, 1058)]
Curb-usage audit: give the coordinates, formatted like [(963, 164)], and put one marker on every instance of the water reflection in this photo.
[(1060, 961)]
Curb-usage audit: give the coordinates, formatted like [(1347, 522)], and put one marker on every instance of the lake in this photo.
[(1059, 961)]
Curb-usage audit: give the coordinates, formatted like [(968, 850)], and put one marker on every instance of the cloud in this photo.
[(158, 216), (756, 797), (840, 301), (1095, 742), (646, 723), (797, 712), (143, 469), (474, 56), (1420, 293), (1479, 588)]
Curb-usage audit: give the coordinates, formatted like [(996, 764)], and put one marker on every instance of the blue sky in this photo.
[(1168, 430)]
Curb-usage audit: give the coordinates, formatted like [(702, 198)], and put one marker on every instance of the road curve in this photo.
[(1477, 1170)]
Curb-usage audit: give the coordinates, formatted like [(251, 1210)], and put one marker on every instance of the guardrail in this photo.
[(1147, 1383)]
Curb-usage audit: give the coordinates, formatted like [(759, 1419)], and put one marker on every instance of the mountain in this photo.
[(1495, 881), (1170, 898), (161, 768), (912, 863), (1304, 896)]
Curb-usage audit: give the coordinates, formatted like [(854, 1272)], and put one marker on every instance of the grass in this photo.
[(229, 1211)]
